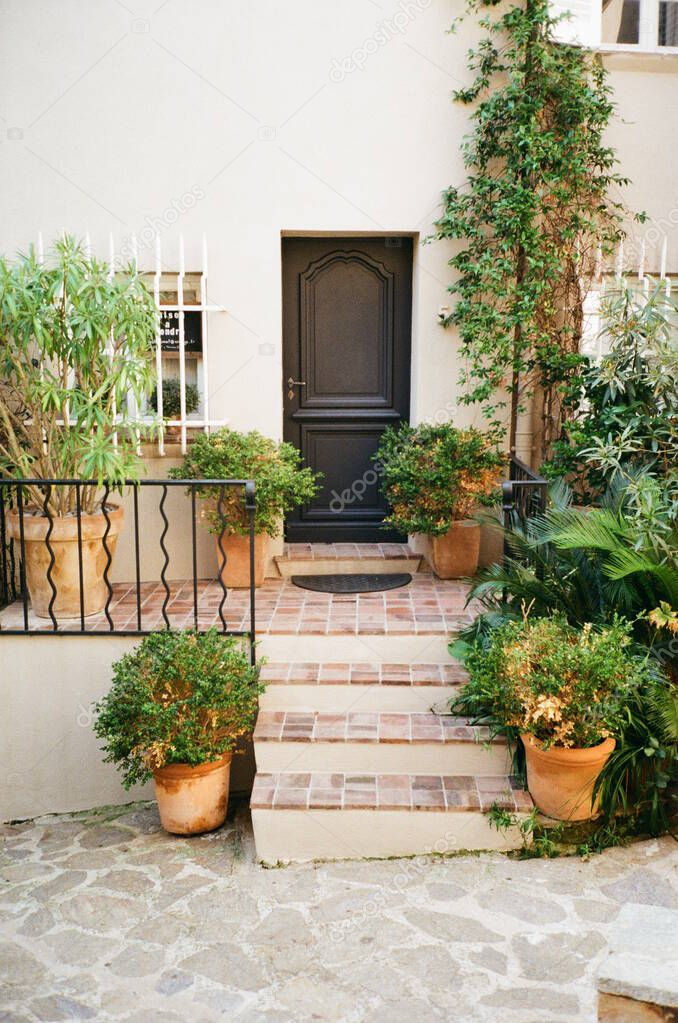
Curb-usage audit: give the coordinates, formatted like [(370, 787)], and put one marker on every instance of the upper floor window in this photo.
[(648, 24), (641, 25)]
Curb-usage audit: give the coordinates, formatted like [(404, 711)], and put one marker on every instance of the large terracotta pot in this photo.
[(193, 799), (236, 572), (63, 541), (561, 780), (455, 553)]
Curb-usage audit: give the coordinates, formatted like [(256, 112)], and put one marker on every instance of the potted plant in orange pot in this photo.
[(180, 705), (282, 483), (564, 692), (433, 478), (75, 343)]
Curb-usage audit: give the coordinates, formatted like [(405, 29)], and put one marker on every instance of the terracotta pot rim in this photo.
[(179, 772), (463, 523), (570, 755), (65, 527)]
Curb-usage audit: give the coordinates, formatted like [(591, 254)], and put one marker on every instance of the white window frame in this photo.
[(585, 28), (648, 31)]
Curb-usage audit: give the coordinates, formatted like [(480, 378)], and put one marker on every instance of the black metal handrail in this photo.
[(523, 496), (13, 581)]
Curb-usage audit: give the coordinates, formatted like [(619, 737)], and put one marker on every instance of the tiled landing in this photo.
[(426, 606)]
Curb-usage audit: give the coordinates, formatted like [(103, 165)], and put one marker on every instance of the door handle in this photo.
[(291, 384)]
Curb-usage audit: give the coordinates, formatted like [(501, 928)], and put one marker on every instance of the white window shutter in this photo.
[(583, 27)]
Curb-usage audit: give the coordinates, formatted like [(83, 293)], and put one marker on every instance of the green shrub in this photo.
[(435, 475), (566, 686), (276, 468), (171, 398), (177, 698)]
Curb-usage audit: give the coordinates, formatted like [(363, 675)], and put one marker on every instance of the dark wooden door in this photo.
[(347, 306)]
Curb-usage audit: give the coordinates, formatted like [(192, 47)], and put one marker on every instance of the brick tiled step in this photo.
[(346, 558), (359, 686), (333, 815), (411, 742)]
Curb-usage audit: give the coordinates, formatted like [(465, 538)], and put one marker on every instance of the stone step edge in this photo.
[(402, 792), (309, 673), (319, 553), (287, 570), (377, 727)]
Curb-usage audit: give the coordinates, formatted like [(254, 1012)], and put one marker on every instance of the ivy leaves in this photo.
[(533, 213)]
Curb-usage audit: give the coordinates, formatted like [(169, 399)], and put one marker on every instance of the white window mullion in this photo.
[(158, 347), (649, 24), (182, 344)]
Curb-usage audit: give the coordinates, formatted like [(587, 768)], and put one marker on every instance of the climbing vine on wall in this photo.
[(535, 213)]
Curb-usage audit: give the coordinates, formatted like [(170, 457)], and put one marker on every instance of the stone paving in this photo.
[(105, 917)]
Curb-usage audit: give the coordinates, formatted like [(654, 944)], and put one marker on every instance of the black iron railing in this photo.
[(523, 496), (202, 603)]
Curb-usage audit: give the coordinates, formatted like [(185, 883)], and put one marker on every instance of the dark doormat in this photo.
[(352, 583)]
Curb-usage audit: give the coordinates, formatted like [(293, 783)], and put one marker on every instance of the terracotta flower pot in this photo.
[(236, 572), (192, 800), (455, 553), (63, 541), (561, 780)]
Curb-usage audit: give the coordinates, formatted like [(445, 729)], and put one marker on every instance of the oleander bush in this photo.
[(75, 342), (622, 411)]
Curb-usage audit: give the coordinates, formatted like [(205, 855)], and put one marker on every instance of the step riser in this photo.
[(342, 698), (410, 649), (303, 835), (454, 758), (347, 566)]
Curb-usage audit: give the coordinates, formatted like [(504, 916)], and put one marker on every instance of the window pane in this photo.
[(668, 23), (621, 21)]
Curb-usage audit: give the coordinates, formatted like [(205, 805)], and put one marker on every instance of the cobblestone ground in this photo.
[(105, 917)]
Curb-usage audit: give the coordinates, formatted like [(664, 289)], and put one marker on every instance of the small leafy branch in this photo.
[(534, 214)]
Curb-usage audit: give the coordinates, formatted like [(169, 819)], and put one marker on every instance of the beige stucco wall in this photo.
[(280, 118), (311, 116), (644, 132), (50, 760)]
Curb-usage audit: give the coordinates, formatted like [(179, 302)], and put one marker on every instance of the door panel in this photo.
[(346, 345), (342, 452)]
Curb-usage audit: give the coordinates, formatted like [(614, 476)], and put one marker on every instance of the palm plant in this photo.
[(617, 559), (640, 778), (589, 566)]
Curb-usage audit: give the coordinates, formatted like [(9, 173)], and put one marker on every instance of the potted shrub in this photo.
[(564, 691), (74, 345), (433, 479), (171, 402), (179, 706), (281, 484)]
